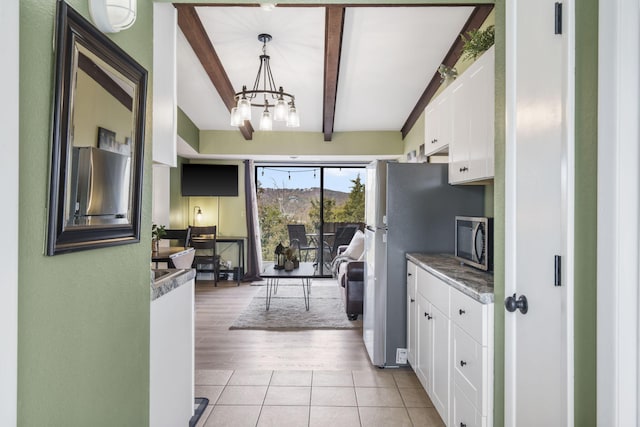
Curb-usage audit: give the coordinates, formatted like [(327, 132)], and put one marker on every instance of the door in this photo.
[(539, 217)]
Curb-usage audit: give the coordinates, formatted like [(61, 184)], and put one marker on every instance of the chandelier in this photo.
[(264, 95)]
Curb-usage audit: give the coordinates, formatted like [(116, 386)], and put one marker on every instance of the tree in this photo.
[(314, 212), (353, 209)]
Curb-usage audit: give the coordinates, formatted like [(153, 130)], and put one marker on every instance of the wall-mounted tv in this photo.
[(209, 180)]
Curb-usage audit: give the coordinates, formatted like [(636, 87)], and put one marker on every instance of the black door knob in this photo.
[(462, 363), (512, 304)]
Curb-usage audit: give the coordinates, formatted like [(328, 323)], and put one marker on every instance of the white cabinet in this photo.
[(433, 335), (472, 360), (438, 124), (471, 150), (171, 355), (450, 343), (412, 307)]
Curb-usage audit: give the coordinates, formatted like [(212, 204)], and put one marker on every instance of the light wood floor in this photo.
[(217, 347)]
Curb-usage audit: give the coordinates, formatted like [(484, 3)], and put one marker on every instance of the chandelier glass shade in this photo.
[(264, 95)]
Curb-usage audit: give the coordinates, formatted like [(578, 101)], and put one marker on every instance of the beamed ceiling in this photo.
[(350, 67)]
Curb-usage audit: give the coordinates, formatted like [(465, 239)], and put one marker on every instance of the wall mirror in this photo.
[(97, 140)]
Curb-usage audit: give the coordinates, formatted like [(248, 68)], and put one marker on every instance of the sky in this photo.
[(338, 179)]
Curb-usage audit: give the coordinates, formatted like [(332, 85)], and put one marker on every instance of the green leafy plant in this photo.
[(158, 232), (477, 41)]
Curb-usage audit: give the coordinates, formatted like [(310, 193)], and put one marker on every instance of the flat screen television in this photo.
[(209, 180)]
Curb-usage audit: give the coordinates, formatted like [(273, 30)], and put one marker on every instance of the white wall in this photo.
[(618, 355), (9, 125), (161, 194)]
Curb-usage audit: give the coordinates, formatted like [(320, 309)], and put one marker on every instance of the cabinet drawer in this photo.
[(470, 315), (434, 289), (464, 414), (470, 368)]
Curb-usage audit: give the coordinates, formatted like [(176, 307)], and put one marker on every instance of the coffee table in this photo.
[(306, 271)]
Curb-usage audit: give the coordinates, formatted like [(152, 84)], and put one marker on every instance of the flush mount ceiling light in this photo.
[(264, 95), (112, 16)]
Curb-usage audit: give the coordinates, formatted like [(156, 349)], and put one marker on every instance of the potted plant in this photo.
[(476, 42), (157, 233), (291, 259)]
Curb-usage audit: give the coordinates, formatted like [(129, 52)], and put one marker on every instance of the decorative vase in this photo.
[(288, 265), (155, 245), (296, 263)]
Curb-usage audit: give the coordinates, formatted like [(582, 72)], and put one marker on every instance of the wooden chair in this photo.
[(203, 240), (180, 236), (298, 240)]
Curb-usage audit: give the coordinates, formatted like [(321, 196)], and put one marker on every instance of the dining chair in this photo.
[(180, 236), (298, 239), (203, 240)]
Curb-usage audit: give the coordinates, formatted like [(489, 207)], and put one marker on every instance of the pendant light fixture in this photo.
[(264, 95)]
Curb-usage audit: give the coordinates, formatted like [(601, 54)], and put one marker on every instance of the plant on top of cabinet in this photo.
[(476, 42)]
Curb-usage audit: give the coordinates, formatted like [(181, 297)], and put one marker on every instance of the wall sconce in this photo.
[(112, 16), (197, 215)]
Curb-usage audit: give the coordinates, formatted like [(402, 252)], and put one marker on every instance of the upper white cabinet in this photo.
[(471, 151), (462, 119), (438, 124)]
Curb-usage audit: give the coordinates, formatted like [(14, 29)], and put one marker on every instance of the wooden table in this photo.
[(306, 271)]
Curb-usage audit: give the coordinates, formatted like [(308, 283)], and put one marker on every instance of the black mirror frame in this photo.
[(72, 27)]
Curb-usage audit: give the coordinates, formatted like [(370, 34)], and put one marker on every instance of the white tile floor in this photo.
[(375, 397)]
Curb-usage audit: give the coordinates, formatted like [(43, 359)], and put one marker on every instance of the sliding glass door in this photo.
[(303, 207)]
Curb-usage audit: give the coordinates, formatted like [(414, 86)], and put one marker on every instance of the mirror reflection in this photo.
[(101, 136)]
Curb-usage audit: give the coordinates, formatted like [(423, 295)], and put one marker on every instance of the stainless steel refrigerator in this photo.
[(99, 186), (409, 207)]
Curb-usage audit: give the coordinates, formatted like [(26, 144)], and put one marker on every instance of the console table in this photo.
[(240, 265)]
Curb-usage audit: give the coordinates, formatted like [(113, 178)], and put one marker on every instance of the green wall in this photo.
[(188, 131), (302, 143), (83, 331), (586, 130)]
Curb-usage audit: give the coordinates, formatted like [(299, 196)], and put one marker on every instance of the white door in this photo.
[(539, 214)]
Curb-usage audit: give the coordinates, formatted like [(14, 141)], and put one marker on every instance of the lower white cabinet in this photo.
[(450, 346), (412, 307)]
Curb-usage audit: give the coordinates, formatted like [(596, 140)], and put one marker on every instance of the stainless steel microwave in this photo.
[(474, 241)]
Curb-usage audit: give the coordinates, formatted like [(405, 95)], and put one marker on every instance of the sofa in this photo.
[(348, 269)]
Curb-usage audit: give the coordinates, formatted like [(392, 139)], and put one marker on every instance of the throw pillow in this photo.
[(356, 246)]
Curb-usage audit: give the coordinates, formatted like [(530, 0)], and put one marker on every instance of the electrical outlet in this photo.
[(401, 355)]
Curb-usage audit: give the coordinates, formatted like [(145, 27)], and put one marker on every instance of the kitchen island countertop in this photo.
[(472, 282), (164, 281)]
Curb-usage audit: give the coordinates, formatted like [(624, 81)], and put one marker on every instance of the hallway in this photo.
[(294, 378)]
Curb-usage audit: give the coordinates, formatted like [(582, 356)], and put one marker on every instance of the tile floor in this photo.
[(283, 398)]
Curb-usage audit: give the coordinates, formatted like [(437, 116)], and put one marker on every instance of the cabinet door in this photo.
[(481, 118), (459, 147), (440, 326), (424, 343), (430, 128), (412, 306)]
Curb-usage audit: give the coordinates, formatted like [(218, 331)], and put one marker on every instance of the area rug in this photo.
[(287, 310)]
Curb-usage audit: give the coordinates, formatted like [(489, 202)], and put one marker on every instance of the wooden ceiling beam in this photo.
[(190, 24), (476, 19), (334, 26)]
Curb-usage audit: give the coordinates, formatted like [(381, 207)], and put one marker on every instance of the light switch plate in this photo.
[(401, 355)]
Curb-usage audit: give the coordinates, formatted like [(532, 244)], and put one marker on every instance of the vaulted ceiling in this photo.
[(351, 68)]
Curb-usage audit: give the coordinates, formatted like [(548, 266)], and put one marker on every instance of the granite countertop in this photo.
[(472, 282), (164, 281)]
